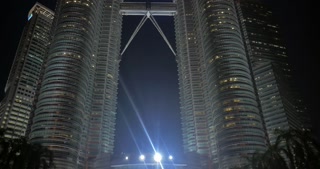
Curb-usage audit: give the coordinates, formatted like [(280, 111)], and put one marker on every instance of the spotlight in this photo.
[(142, 157), (157, 157), (170, 157)]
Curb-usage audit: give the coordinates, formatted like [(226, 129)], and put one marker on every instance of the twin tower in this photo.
[(234, 79)]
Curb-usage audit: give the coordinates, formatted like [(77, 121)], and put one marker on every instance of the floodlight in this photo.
[(170, 157), (157, 157), (142, 157)]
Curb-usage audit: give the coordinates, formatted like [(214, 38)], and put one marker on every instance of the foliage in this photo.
[(19, 154), (292, 149)]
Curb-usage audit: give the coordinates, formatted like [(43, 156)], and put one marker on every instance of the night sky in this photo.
[(148, 85)]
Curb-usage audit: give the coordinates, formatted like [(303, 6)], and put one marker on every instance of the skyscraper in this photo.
[(236, 85), (76, 108), (281, 105), (225, 123), (25, 72), (234, 81)]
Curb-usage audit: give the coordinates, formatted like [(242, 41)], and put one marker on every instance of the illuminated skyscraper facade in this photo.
[(236, 85), (25, 72), (76, 108), (220, 112), (233, 79)]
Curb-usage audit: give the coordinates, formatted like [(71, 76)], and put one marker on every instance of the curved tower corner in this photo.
[(219, 109), (79, 87)]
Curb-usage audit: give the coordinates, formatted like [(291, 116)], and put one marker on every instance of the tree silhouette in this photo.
[(301, 148), (19, 154), (293, 149)]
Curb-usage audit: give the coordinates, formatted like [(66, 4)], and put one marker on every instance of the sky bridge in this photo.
[(154, 8), (148, 10)]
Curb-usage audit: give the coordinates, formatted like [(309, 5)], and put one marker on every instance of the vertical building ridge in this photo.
[(235, 83)]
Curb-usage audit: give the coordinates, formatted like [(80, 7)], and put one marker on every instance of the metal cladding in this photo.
[(155, 8), (281, 105), (75, 114), (219, 111), (24, 77), (232, 80)]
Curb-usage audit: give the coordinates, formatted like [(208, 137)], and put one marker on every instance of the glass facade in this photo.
[(230, 125), (24, 77), (280, 103), (234, 80), (75, 112), (191, 81)]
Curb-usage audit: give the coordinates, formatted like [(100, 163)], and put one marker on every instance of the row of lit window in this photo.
[(79, 2)]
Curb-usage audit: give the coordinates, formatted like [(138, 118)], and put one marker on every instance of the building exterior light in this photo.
[(142, 157), (157, 157)]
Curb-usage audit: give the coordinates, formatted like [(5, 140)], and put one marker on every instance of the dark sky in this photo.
[(148, 76), (148, 72)]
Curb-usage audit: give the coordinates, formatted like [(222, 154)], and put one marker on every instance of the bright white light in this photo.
[(170, 157), (142, 157), (157, 157), (127, 158)]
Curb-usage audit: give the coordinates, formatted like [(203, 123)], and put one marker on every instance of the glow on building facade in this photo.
[(227, 124), (76, 109), (227, 73)]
